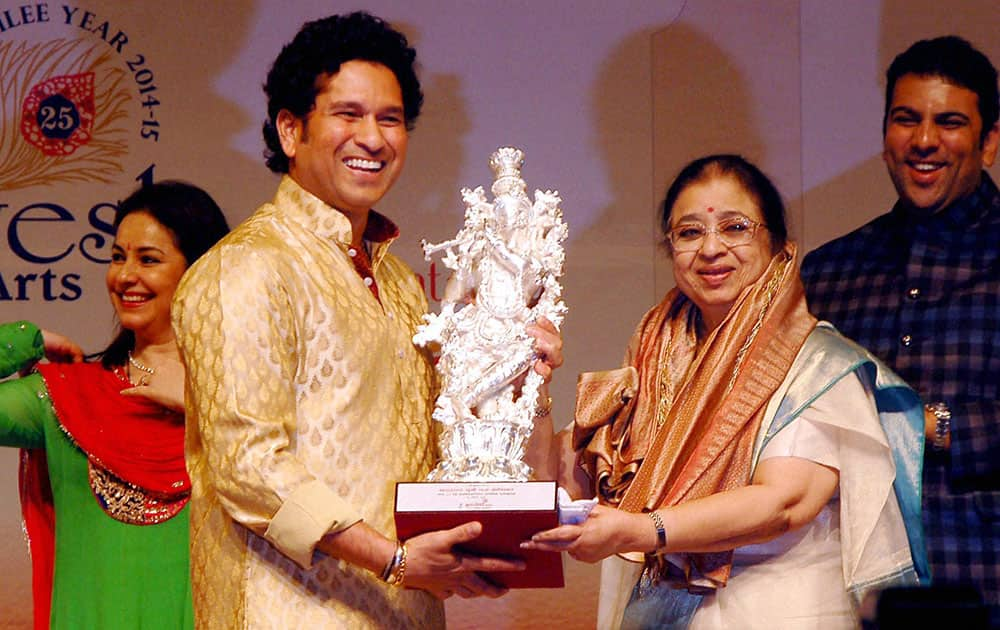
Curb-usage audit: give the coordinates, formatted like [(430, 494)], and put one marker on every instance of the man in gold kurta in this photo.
[(307, 399)]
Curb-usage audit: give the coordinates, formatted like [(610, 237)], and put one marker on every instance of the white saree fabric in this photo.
[(799, 579)]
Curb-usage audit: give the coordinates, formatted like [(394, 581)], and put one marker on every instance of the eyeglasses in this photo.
[(689, 237)]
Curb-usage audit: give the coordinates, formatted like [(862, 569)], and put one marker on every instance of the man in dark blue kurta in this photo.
[(920, 287)]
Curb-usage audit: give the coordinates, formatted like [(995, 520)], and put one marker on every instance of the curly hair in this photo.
[(318, 49), (954, 60)]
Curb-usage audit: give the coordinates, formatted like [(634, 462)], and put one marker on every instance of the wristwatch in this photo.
[(943, 427)]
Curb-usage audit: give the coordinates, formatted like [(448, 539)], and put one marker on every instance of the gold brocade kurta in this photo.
[(307, 402)]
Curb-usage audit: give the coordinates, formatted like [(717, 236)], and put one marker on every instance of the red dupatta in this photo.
[(135, 454), (39, 516)]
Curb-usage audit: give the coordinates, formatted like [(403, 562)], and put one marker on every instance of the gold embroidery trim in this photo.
[(130, 504)]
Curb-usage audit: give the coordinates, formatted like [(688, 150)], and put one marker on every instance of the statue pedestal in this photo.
[(510, 512)]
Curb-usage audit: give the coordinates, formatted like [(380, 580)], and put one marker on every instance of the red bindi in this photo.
[(711, 209)]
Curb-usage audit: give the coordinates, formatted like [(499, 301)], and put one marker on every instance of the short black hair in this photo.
[(954, 60), (319, 48), (194, 220), (751, 178)]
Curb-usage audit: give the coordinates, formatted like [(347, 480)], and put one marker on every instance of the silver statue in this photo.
[(506, 262)]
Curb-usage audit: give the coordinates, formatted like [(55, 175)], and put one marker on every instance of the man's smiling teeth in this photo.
[(367, 165), (925, 167)]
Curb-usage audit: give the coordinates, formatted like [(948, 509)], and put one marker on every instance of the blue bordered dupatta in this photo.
[(825, 358)]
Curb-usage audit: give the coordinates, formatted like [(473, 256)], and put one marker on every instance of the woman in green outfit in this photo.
[(103, 484)]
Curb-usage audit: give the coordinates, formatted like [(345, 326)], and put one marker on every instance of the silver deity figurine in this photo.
[(506, 262)]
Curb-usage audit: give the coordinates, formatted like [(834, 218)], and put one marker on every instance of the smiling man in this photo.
[(307, 399), (920, 287)]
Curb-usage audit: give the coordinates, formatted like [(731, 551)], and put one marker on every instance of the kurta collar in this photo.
[(322, 219)]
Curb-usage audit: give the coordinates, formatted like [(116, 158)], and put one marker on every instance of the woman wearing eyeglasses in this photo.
[(754, 468)]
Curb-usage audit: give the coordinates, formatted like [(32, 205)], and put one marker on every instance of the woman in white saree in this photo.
[(754, 468)]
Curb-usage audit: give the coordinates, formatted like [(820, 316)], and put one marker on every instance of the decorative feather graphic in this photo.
[(58, 114), (64, 110)]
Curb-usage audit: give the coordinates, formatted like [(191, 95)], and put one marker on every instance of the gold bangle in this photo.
[(392, 566), (397, 576), (545, 409)]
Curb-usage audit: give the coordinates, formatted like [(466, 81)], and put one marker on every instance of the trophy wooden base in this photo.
[(510, 513)]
